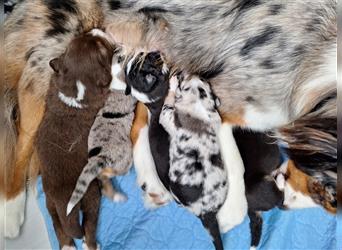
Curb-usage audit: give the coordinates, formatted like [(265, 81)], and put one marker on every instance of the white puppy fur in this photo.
[(234, 209), (15, 214), (292, 199), (146, 172)]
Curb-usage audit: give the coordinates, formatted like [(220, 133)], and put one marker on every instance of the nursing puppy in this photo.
[(262, 159), (78, 89), (264, 78), (109, 145), (198, 179)]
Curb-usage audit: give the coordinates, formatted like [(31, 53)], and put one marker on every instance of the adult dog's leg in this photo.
[(234, 209), (31, 113)]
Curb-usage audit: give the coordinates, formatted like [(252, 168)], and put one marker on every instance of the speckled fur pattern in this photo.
[(110, 147), (198, 179)]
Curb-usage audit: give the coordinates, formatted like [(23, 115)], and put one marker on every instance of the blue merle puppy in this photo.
[(198, 178)]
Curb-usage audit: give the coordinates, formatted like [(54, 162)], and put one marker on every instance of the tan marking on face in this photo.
[(321, 196), (140, 121)]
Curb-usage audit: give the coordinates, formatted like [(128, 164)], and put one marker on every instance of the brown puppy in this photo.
[(77, 91)]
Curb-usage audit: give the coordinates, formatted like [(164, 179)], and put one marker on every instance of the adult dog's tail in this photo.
[(311, 142), (8, 137)]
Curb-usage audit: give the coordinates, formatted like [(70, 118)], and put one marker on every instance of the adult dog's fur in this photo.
[(269, 62)]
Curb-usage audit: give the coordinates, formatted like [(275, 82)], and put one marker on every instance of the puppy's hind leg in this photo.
[(209, 221), (109, 191), (65, 241), (90, 206), (255, 225)]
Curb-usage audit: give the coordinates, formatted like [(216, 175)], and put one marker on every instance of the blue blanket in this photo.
[(130, 226)]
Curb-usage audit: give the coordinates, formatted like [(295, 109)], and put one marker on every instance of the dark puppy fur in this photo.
[(261, 157), (83, 70), (146, 78)]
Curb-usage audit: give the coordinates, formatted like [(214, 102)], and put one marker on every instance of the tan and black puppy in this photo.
[(78, 90)]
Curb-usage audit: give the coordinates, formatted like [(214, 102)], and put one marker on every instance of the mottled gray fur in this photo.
[(198, 178), (109, 142)]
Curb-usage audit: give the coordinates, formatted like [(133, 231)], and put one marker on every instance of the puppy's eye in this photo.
[(186, 89)]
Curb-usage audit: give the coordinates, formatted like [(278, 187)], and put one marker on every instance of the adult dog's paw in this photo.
[(15, 215)]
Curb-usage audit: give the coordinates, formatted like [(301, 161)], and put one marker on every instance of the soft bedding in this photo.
[(131, 226)]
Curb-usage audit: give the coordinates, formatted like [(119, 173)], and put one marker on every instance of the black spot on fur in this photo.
[(185, 193), (192, 154), (313, 25), (82, 183), (58, 15), (94, 152), (64, 5), (33, 63), (241, 7), (275, 9), (114, 4), (180, 151), (154, 9), (29, 53), (177, 174), (58, 20), (257, 41), (202, 93), (267, 64), (250, 99), (298, 51), (109, 115), (184, 138), (216, 160), (212, 71)]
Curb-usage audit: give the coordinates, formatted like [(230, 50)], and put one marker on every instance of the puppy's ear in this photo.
[(54, 64)]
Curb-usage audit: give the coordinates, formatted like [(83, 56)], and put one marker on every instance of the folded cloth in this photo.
[(131, 226)]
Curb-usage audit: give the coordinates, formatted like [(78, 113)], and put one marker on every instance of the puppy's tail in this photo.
[(311, 141), (255, 225), (89, 173), (8, 136), (209, 221)]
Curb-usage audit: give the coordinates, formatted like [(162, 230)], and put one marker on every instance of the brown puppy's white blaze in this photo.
[(301, 190)]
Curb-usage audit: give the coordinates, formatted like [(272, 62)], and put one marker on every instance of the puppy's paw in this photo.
[(174, 83), (86, 247), (119, 197), (65, 247), (155, 195), (15, 215)]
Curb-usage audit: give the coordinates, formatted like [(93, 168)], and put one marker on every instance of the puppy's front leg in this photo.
[(234, 209)]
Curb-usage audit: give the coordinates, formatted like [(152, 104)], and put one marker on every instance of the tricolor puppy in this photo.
[(109, 144), (147, 80), (78, 89)]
